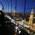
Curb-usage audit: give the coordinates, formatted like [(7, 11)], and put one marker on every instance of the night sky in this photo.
[(17, 5)]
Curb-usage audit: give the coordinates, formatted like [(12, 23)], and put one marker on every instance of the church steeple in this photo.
[(32, 12), (31, 17)]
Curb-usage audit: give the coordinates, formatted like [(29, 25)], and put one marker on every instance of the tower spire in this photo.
[(31, 17)]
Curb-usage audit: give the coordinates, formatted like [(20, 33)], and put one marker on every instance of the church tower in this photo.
[(31, 17)]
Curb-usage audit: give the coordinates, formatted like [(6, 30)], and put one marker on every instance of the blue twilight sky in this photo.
[(18, 5)]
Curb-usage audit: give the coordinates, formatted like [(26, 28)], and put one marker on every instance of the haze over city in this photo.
[(17, 5)]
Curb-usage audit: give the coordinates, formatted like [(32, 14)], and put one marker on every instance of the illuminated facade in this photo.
[(31, 18)]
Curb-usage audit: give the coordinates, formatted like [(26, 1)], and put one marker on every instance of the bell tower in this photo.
[(31, 17)]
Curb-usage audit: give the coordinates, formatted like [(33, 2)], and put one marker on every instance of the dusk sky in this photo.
[(9, 5)]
